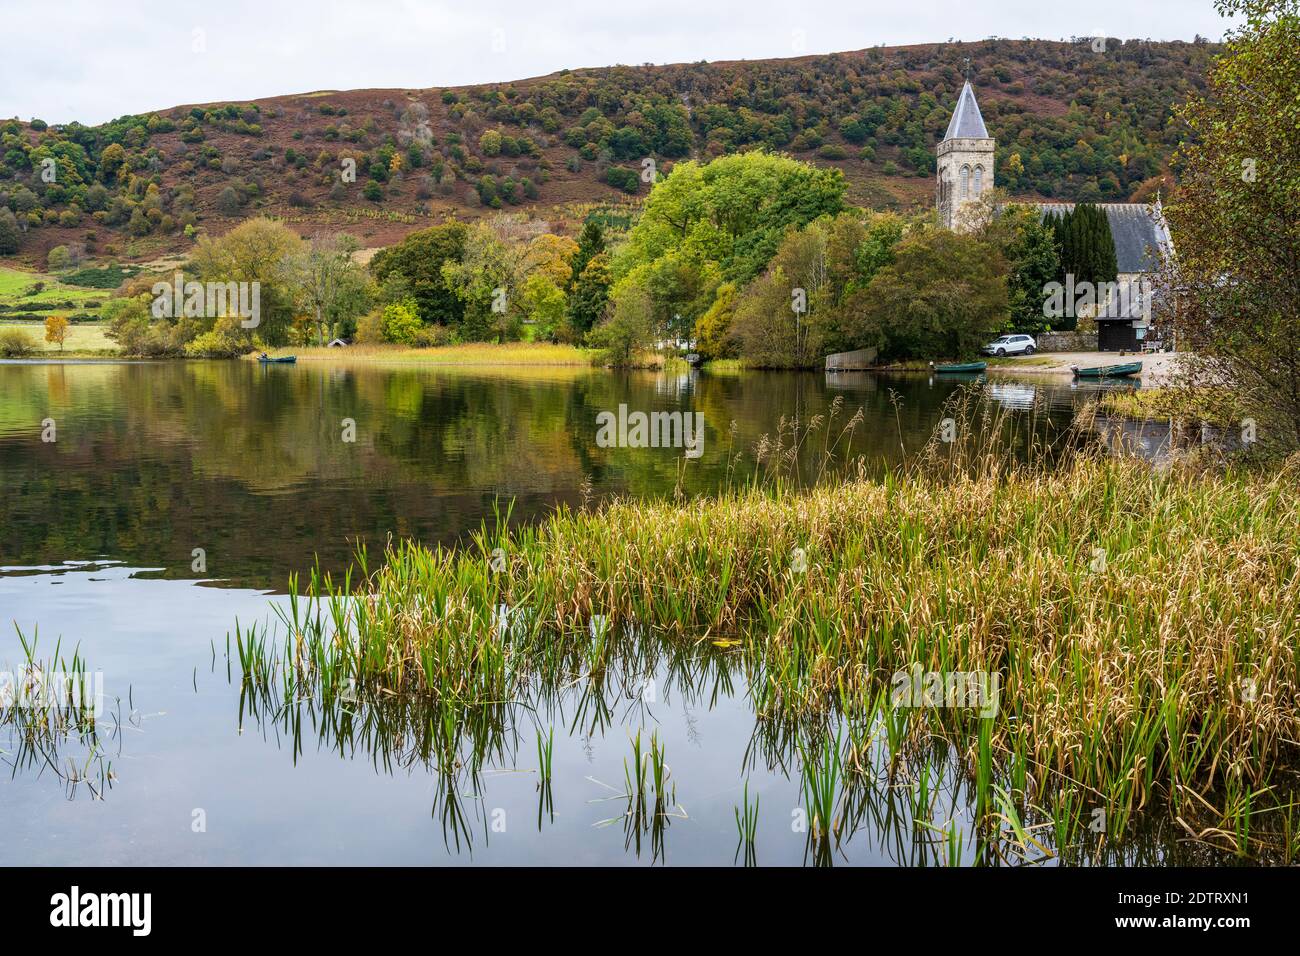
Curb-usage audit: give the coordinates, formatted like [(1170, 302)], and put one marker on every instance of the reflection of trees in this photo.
[(155, 459), (757, 403)]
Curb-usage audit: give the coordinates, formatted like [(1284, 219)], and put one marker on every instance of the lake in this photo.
[(175, 499)]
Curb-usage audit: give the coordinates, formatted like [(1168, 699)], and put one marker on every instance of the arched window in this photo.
[(979, 180), (965, 182)]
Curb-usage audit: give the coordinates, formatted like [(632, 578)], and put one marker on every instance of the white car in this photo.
[(1011, 345)]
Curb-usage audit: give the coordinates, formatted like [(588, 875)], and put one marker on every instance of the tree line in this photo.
[(756, 256)]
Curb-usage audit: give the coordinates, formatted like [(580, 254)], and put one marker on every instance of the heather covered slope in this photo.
[(1072, 122)]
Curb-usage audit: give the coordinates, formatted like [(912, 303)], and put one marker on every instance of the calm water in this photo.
[(98, 531)]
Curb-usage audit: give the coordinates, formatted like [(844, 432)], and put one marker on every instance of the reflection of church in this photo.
[(965, 172)]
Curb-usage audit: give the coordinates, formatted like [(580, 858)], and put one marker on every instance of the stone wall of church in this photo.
[(974, 157)]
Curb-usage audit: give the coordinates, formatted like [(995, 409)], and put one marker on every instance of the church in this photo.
[(965, 159)]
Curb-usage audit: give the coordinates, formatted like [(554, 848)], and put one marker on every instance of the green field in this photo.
[(16, 290), (83, 337)]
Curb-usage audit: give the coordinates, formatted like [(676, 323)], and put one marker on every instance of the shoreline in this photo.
[(1157, 367), (517, 354), (1044, 366)]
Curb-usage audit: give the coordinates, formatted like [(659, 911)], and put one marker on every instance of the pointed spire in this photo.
[(966, 121)]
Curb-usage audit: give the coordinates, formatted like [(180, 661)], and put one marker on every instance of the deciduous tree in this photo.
[(332, 286), (56, 330), (1236, 271), (944, 296)]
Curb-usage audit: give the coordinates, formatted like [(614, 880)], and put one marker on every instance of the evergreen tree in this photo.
[(1107, 262), (9, 234), (591, 243), (1064, 243), (1084, 244), (590, 293)]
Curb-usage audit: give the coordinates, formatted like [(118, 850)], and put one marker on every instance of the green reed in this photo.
[(546, 797), (50, 712), (823, 769), (1157, 685), (747, 828)]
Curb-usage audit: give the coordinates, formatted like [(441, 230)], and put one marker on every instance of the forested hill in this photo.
[(1073, 121)]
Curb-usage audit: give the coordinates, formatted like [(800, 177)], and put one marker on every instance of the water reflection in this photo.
[(155, 459), (850, 789), (548, 774), (460, 743), (659, 754)]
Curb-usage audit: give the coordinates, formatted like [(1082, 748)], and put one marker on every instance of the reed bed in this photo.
[(468, 353), (1182, 404), (1142, 628), (51, 721)]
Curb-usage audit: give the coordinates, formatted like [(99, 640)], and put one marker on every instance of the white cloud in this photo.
[(91, 61)]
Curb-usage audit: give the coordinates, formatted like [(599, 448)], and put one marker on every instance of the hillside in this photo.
[(1070, 123)]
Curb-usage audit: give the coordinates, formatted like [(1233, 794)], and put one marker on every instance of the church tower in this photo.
[(965, 160)]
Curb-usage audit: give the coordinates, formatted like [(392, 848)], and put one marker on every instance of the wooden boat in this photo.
[(963, 367), (1107, 371), (282, 360)]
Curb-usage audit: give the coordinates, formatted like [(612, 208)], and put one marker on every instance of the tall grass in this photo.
[(1161, 677), (1214, 408), (747, 828)]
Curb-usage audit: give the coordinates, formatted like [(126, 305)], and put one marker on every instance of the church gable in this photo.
[(1140, 233)]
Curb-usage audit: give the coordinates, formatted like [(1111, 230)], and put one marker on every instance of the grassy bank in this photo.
[(725, 366), (1142, 627), (83, 340), (1180, 404), (473, 353)]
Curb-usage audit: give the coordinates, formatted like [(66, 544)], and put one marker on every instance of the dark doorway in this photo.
[(1116, 336)]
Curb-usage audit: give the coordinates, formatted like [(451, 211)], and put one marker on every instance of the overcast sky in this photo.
[(93, 60)]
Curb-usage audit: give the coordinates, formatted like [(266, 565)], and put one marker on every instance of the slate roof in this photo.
[(966, 121), (1138, 231)]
